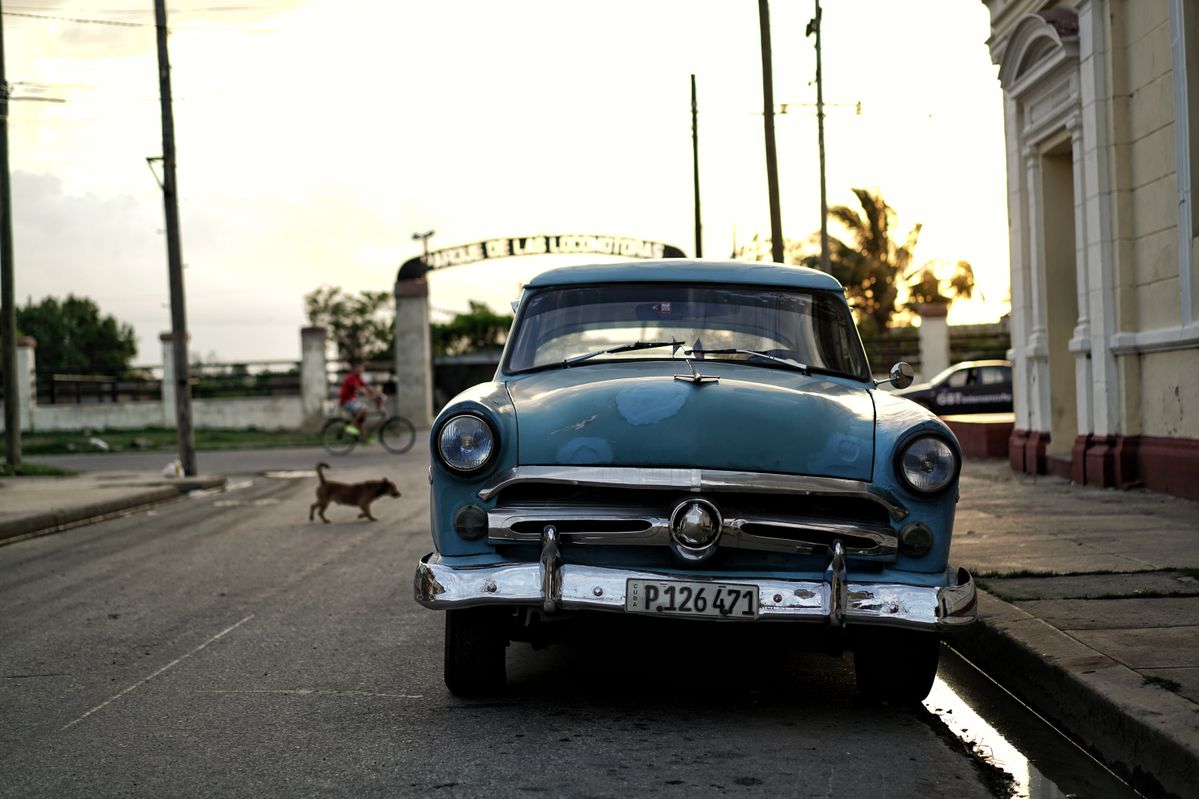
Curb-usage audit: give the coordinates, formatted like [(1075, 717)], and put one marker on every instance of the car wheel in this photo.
[(896, 666), (475, 648)]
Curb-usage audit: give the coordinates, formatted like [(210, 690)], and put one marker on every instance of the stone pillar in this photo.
[(314, 381), (414, 351), (168, 380), (1037, 350), (934, 339), (26, 381)]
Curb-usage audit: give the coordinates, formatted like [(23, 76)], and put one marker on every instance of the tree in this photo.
[(361, 325), (938, 282), (72, 334), (478, 329), (874, 266), (871, 265)]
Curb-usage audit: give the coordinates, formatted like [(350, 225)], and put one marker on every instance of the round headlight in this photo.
[(466, 443), (928, 464)]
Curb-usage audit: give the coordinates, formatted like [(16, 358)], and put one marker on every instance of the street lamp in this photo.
[(423, 238)]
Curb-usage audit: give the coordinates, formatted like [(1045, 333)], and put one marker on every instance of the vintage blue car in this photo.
[(693, 439)]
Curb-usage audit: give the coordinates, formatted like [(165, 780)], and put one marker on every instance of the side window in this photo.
[(958, 378), (992, 375)]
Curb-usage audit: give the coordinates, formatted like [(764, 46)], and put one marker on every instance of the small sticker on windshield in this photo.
[(663, 308)]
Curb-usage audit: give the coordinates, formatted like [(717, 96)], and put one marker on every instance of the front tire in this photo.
[(475, 651), (895, 666), (397, 435), (336, 438)]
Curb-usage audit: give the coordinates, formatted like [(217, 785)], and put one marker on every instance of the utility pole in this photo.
[(814, 28), (170, 197), (699, 241), (8, 325), (772, 167)]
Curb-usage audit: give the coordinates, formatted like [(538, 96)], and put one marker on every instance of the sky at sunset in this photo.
[(314, 137)]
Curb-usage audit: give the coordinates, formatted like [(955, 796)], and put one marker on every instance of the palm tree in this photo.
[(871, 266), (938, 282)]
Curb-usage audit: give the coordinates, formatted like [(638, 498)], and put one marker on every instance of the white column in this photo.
[(1018, 223), (1179, 44), (934, 339), (414, 352), (1037, 347), (168, 380), (26, 398), (314, 381), (1080, 339), (1100, 228)]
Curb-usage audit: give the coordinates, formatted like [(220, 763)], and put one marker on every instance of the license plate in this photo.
[(686, 598)]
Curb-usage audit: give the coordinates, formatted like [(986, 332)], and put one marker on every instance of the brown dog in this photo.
[(359, 494)]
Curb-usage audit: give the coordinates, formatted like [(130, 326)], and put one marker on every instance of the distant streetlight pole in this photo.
[(772, 168), (423, 238), (8, 325), (814, 28), (699, 242), (170, 196)]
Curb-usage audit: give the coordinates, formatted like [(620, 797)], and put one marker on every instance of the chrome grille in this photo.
[(590, 511)]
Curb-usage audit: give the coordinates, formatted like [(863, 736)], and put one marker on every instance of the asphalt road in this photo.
[(224, 645)]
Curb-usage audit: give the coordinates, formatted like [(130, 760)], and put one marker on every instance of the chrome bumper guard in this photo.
[(552, 585)]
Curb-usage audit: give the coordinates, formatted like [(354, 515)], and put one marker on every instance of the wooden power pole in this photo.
[(170, 196), (8, 324), (772, 167), (699, 241), (814, 28)]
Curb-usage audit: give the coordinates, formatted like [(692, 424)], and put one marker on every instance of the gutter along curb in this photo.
[(1147, 735), (49, 521)]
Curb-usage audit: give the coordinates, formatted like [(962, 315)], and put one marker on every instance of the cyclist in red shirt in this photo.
[(350, 397)]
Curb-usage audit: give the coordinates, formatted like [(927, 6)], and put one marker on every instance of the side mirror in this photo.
[(902, 375)]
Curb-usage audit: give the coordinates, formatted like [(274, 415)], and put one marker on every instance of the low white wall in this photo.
[(240, 413), (267, 413), (106, 416)]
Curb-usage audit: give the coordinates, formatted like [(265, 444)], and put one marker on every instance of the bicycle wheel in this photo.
[(336, 438), (397, 434)]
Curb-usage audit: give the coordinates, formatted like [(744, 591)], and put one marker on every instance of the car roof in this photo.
[(689, 270), (968, 364)]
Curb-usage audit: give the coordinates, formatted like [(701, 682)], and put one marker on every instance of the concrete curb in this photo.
[(1147, 735), (48, 521)]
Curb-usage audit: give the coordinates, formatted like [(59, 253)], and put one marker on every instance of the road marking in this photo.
[(172, 664), (316, 692)]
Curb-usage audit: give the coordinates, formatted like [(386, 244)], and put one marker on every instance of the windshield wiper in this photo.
[(636, 345), (802, 367)]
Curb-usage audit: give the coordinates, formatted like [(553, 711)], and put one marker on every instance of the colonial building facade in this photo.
[(1102, 123)]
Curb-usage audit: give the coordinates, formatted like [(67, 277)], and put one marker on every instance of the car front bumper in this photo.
[(552, 586)]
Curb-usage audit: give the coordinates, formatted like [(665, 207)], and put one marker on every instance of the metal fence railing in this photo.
[(144, 384)]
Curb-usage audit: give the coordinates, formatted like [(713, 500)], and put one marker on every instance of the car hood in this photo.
[(750, 419)]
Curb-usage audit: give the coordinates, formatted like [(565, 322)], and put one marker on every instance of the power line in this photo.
[(81, 20), (125, 24)]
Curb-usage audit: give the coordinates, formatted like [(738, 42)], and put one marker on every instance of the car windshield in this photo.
[(557, 325)]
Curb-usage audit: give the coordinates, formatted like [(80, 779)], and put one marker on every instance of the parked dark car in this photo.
[(967, 387)]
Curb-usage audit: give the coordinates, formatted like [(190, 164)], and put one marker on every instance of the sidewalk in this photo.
[(1089, 608), (31, 506), (1089, 612)]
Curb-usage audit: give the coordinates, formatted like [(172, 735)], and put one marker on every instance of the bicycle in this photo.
[(395, 433)]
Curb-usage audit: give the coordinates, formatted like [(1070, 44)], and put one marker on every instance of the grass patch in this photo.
[(33, 470), (1164, 683), (154, 439)]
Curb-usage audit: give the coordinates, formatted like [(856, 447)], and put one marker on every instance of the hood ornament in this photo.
[(695, 376)]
